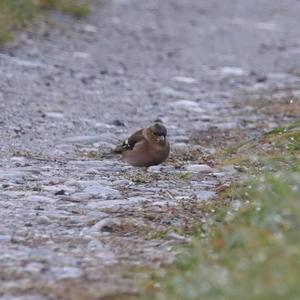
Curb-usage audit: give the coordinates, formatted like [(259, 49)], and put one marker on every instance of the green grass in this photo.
[(15, 14), (251, 248)]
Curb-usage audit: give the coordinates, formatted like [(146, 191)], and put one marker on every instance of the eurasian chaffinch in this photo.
[(146, 147)]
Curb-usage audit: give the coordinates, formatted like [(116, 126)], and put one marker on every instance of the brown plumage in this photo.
[(146, 147)]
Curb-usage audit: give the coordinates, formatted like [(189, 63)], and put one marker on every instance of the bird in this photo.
[(146, 147)]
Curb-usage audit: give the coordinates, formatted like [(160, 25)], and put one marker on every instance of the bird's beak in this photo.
[(162, 138)]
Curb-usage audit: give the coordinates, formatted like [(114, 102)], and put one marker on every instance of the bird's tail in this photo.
[(121, 147)]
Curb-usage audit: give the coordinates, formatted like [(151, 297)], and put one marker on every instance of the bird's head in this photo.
[(158, 132)]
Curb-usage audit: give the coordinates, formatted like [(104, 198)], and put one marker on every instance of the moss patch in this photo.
[(15, 14)]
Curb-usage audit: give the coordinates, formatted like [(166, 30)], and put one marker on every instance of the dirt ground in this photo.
[(77, 224)]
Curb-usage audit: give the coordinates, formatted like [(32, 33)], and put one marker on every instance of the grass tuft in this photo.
[(251, 247), (15, 14), (71, 7)]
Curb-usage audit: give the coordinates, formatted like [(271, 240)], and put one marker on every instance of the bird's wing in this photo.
[(130, 142)]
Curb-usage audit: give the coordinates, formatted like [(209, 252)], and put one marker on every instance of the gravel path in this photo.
[(74, 221)]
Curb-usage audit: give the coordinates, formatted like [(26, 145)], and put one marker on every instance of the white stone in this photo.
[(102, 192), (105, 225), (43, 220), (234, 71), (89, 28), (154, 169), (205, 195), (83, 55), (95, 245), (55, 115), (202, 168), (188, 105), (183, 79), (168, 91), (68, 272)]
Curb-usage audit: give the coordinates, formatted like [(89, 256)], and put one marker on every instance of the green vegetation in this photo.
[(15, 14), (251, 248)]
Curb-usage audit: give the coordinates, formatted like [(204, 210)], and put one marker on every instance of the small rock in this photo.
[(186, 104), (102, 192), (219, 174), (176, 236), (68, 272), (199, 168), (205, 195), (105, 225), (167, 169), (55, 115), (180, 146), (41, 254), (234, 71), (95, 246), (92, 205), (167, 91), (5, 238), (89, 28), (43, 220), (181, 139), (236, 205), (60, 192), (40, 199), (183, 79), (230, 170), (85, 139), (12, 176), (83, 55), (34, 267), (154, 169), (122, 182), (118, 123), (77, 197)]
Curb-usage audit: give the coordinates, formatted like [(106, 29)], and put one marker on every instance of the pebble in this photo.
[(179, 146), (55, 115), (181, 139), (233, 71), (40, 199), (187, 105), (205, 195), (43, 220), (229, 170), (183, 79), (67, 272), (219, 174), (95, 245), (41, 254), (5, 238), (101, 191), (105, 225), (122, 182), (202, 168), (83, 55), (12, 176), (168, 91), (89, 28), (154, 169), (178, 237), (236, 205), (34, 267), (92, 205), (85, 139)]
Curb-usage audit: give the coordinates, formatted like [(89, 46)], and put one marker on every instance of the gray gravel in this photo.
[(70, 90)]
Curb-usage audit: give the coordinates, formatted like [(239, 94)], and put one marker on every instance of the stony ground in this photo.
[(76, 221)]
